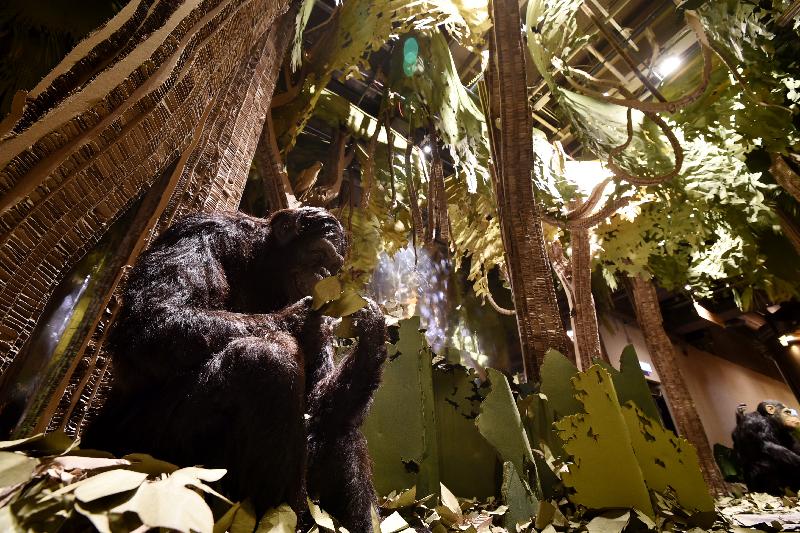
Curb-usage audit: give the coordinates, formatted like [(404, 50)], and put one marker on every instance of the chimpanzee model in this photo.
[(766, 447), (220, 361)]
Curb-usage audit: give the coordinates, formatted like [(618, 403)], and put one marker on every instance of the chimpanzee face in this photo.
[(786, 416), (311, 246)]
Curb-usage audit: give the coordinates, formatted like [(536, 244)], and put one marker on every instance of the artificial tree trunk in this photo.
[(584, 314), (538, 318), (662, 352), (274, 180), (790, 227), (164, 88), (785, 176)]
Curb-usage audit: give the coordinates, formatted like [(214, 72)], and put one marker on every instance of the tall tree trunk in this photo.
[(538, 318), (274, 180), (785, 176), (790, 227), (584, 314), (684, 412), (187, 82)]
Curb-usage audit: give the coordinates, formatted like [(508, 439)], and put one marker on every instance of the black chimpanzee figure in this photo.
[(767, 450), (220, 361)]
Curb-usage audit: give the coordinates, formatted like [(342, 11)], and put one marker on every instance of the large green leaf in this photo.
[(604, 472)]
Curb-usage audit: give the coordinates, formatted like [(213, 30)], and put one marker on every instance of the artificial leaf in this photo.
[(517, 495), (244, 520), (610, 522), (500, 424), (604, 472), (15, 468), (281, 519), (556, 373), (326, 290), (667, 461), (630, 383), (406, 498), (142, 462), (402, 441), (53, 443), (107, 483), (393, 523), (346, 304), (321, 518), (169, 504), (467, 462), (73, 462), (450, 510)]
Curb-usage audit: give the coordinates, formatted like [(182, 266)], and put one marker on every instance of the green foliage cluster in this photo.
[(435, 91)]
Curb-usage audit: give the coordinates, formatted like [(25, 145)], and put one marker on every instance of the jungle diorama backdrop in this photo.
[(697, 193)]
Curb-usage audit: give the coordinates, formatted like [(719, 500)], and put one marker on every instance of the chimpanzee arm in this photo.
[(177, 298), (759, 433), (339, 402), (781, 455)]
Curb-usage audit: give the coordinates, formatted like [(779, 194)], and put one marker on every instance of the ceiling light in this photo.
[(647, 368), (668, 65), (786, 339), (426, 148), (571, 334)]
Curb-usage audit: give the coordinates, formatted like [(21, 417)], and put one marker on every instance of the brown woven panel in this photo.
[(76, 159), (587, 334), (210, 175), (662, 353), (531, 278)]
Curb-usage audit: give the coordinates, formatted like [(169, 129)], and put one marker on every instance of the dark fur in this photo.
[(218, 357), (767, 451)]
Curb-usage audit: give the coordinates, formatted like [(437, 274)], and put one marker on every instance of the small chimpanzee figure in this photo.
[(766, 447), (220, 361)]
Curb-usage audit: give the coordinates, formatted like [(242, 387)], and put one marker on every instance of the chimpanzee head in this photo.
[(782, 415), (310, 244)]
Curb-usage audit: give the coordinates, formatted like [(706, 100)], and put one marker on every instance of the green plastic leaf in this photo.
[(54, 443), (326, 290), (300, 23), (630, 383), (500, 424), (610, 522), (467, 462), (321, 518), (108, 483), (450, 510), (556, 372), (244, 520), (517, 495), (393, 523), (142, 462), (401, 428), (224, 523), (281, 519), (667, 461), (348, 303), (604, 472), (15, 468)]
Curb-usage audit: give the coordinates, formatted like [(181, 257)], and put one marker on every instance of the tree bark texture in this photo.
[(785, 176), (684, 412), (538, 318), (164, 87), (275, 182), (790, 227), (584, 313)]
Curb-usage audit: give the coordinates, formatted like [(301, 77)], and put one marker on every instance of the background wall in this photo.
[(716, 384)]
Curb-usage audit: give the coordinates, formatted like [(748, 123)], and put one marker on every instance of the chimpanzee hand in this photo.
[(369, 324)]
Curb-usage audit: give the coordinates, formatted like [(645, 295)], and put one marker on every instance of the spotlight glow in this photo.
[(426, 148), (668, 65)]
